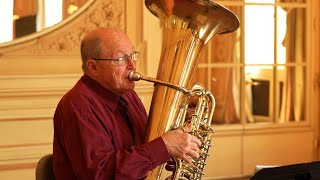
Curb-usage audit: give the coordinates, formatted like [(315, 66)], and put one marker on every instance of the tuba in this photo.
[(188, 25)]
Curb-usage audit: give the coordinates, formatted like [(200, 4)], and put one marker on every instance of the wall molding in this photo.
[(21, 156), (36, 85)]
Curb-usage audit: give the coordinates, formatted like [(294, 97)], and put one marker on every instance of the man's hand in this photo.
[(180, 144)]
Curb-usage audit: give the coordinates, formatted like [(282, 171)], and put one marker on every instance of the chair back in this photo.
[(44, 170)]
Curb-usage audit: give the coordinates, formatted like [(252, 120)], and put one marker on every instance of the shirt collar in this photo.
[(109, 98)]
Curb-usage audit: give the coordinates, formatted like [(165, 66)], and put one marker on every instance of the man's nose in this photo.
[(131, 64)]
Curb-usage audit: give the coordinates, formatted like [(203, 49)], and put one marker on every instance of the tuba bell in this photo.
[(188, 25)]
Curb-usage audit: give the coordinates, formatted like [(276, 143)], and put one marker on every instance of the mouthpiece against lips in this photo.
[(134, 76)]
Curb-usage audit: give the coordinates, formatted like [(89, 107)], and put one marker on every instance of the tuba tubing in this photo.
[(187, 28)]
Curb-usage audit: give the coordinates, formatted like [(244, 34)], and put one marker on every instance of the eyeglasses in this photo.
[(124, 59)]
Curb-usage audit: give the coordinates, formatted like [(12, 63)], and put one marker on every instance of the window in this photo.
[(26, 17), (53, 12), (258, 73), (6, 19)]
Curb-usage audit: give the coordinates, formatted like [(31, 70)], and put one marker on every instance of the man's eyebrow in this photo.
[(121, 53)]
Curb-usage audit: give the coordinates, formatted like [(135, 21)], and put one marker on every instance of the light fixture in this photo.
[(15, 17), (72, 7)]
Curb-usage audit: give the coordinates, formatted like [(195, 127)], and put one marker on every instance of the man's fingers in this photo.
[(190, 149), (192, 139), (183, 129), (188, 161), (193, 153), (195, 148), (196, 140), (186, 129)]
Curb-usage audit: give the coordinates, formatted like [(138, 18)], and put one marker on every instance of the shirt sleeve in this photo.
[(90, 149)]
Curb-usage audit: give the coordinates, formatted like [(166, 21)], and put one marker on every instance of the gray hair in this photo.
[(90, 48)]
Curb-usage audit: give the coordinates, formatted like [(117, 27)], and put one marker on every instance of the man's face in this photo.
[(113, 76)]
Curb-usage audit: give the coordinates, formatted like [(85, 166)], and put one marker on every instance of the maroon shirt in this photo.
[(93, 138)]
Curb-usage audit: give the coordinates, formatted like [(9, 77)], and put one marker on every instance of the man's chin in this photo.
[(130, 87)]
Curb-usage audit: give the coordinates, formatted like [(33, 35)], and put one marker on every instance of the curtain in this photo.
[(225, 81), (293, 97), (24, 8)]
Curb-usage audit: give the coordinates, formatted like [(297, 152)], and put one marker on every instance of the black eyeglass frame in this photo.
[(134, 56)]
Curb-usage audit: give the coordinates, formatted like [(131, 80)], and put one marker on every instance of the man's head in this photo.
[(100, 50)]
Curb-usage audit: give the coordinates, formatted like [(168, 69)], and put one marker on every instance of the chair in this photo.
[(302, 171), (44, 169)]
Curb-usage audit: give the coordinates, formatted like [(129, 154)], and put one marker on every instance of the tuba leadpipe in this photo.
[(135, 76)]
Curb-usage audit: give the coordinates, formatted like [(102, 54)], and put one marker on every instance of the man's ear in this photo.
[(92, 66)]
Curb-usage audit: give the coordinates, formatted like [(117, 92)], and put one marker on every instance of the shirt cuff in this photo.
[(158, 152)]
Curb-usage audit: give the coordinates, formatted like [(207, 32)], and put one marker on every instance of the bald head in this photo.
[(102, 43)]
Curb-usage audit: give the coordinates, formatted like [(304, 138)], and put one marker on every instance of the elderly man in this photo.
[(99, 125)]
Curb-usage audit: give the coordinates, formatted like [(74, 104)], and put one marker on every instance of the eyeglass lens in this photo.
[(134, 56)]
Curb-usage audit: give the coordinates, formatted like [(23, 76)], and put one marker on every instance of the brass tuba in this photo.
[(188, 25)]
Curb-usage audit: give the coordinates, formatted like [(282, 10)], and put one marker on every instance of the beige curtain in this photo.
[(225, 84), (293, 96), (24, 8)]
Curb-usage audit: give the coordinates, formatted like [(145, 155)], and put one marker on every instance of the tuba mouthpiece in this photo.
[(134, 76)]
